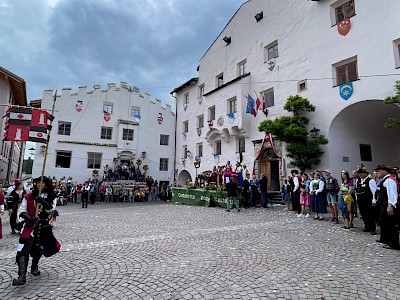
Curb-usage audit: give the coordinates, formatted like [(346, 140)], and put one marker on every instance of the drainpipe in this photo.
[(176, 123), (10, 159)]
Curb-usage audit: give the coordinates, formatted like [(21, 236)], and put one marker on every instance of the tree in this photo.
[(304, 151), (392, 122)]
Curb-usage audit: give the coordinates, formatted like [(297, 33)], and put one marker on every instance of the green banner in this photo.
[(199, 197)]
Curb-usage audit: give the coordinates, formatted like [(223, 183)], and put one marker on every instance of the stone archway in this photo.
[(358, 128), (183, 177)]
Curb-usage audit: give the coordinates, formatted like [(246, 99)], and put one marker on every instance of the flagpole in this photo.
[(39, 207)]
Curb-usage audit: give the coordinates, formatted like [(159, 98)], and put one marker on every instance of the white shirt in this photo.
[(391, 188), (320, 186), (296, 183)]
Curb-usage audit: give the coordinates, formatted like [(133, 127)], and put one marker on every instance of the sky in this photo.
[(155, 45)]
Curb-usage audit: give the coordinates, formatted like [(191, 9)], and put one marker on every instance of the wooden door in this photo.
[(265, 168)]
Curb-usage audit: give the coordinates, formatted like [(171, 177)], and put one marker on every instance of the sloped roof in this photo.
[(17, 85)]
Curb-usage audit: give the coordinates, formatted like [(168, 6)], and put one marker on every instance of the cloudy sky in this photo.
[(152, 44), (155, 45)]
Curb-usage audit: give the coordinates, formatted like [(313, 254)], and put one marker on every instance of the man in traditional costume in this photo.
[(387, 202), (365, 191), (36, 237)]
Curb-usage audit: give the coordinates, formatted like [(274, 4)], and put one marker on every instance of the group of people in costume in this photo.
[(376, 198), (34, 211)]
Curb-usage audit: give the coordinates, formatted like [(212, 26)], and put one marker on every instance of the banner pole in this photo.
[(39, 207)]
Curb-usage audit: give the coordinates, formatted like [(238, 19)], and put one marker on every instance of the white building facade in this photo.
[(12, 92), (275, 49), (93, 129)]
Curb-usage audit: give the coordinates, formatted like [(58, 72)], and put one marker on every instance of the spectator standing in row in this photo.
[(365, 193), (305, 201), (246, 191), (85, 195), (332, 189), (347, 201), (296, 191), (101, 192), (264, 190), (108, 193), (387, 201), (286, 192), (349, 184), (254, 195), (231, 192), (316, 194)]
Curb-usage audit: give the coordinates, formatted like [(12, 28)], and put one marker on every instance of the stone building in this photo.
[(100, 127), (343, 56)]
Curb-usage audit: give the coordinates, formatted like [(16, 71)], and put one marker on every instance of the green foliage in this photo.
[(292, 130), (392, 122), (298, 105)]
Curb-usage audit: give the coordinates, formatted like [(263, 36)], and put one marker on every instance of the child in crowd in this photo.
[(131, 195), (345, 207), (305, 201), (286, 191)]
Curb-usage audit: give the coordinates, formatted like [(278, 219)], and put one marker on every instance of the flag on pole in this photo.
[(19, 116), (264, 105), (250, 104), (258, 103), (27, 124)]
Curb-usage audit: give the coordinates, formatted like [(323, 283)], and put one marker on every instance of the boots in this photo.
[(22, 268), (34, 268)]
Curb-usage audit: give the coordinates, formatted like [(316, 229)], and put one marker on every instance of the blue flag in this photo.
[(250, 104)]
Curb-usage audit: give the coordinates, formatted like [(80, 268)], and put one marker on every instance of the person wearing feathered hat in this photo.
[(36, 237), (387, 202)]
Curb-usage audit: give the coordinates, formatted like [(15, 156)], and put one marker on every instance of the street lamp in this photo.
[(31, 151), (314, 132), (196, 164)]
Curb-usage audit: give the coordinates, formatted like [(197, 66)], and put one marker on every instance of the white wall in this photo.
[(308, 47), (86, 128)]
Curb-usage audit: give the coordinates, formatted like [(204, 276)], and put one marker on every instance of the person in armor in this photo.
[(365, 193), (387, 195), (36, 237)]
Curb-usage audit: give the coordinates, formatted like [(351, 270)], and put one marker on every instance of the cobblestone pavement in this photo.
[(172, 251)]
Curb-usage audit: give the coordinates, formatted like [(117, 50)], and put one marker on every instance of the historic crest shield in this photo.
[(137, 118), (346, 90), (107, 116), (79, 106), (210, 124), (160, 118), (200, 100), (185, 106), (127, 144), (344, 26), (271, 64), (231, 118)]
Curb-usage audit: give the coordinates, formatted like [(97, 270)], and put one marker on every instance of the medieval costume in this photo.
[(36, 237), (14, 200)]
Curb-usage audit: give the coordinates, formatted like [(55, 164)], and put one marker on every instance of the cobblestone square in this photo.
[(172, 251)]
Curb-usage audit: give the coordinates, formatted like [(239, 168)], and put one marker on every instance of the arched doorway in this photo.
[(269, 164), (183, 178), (357, 134)]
